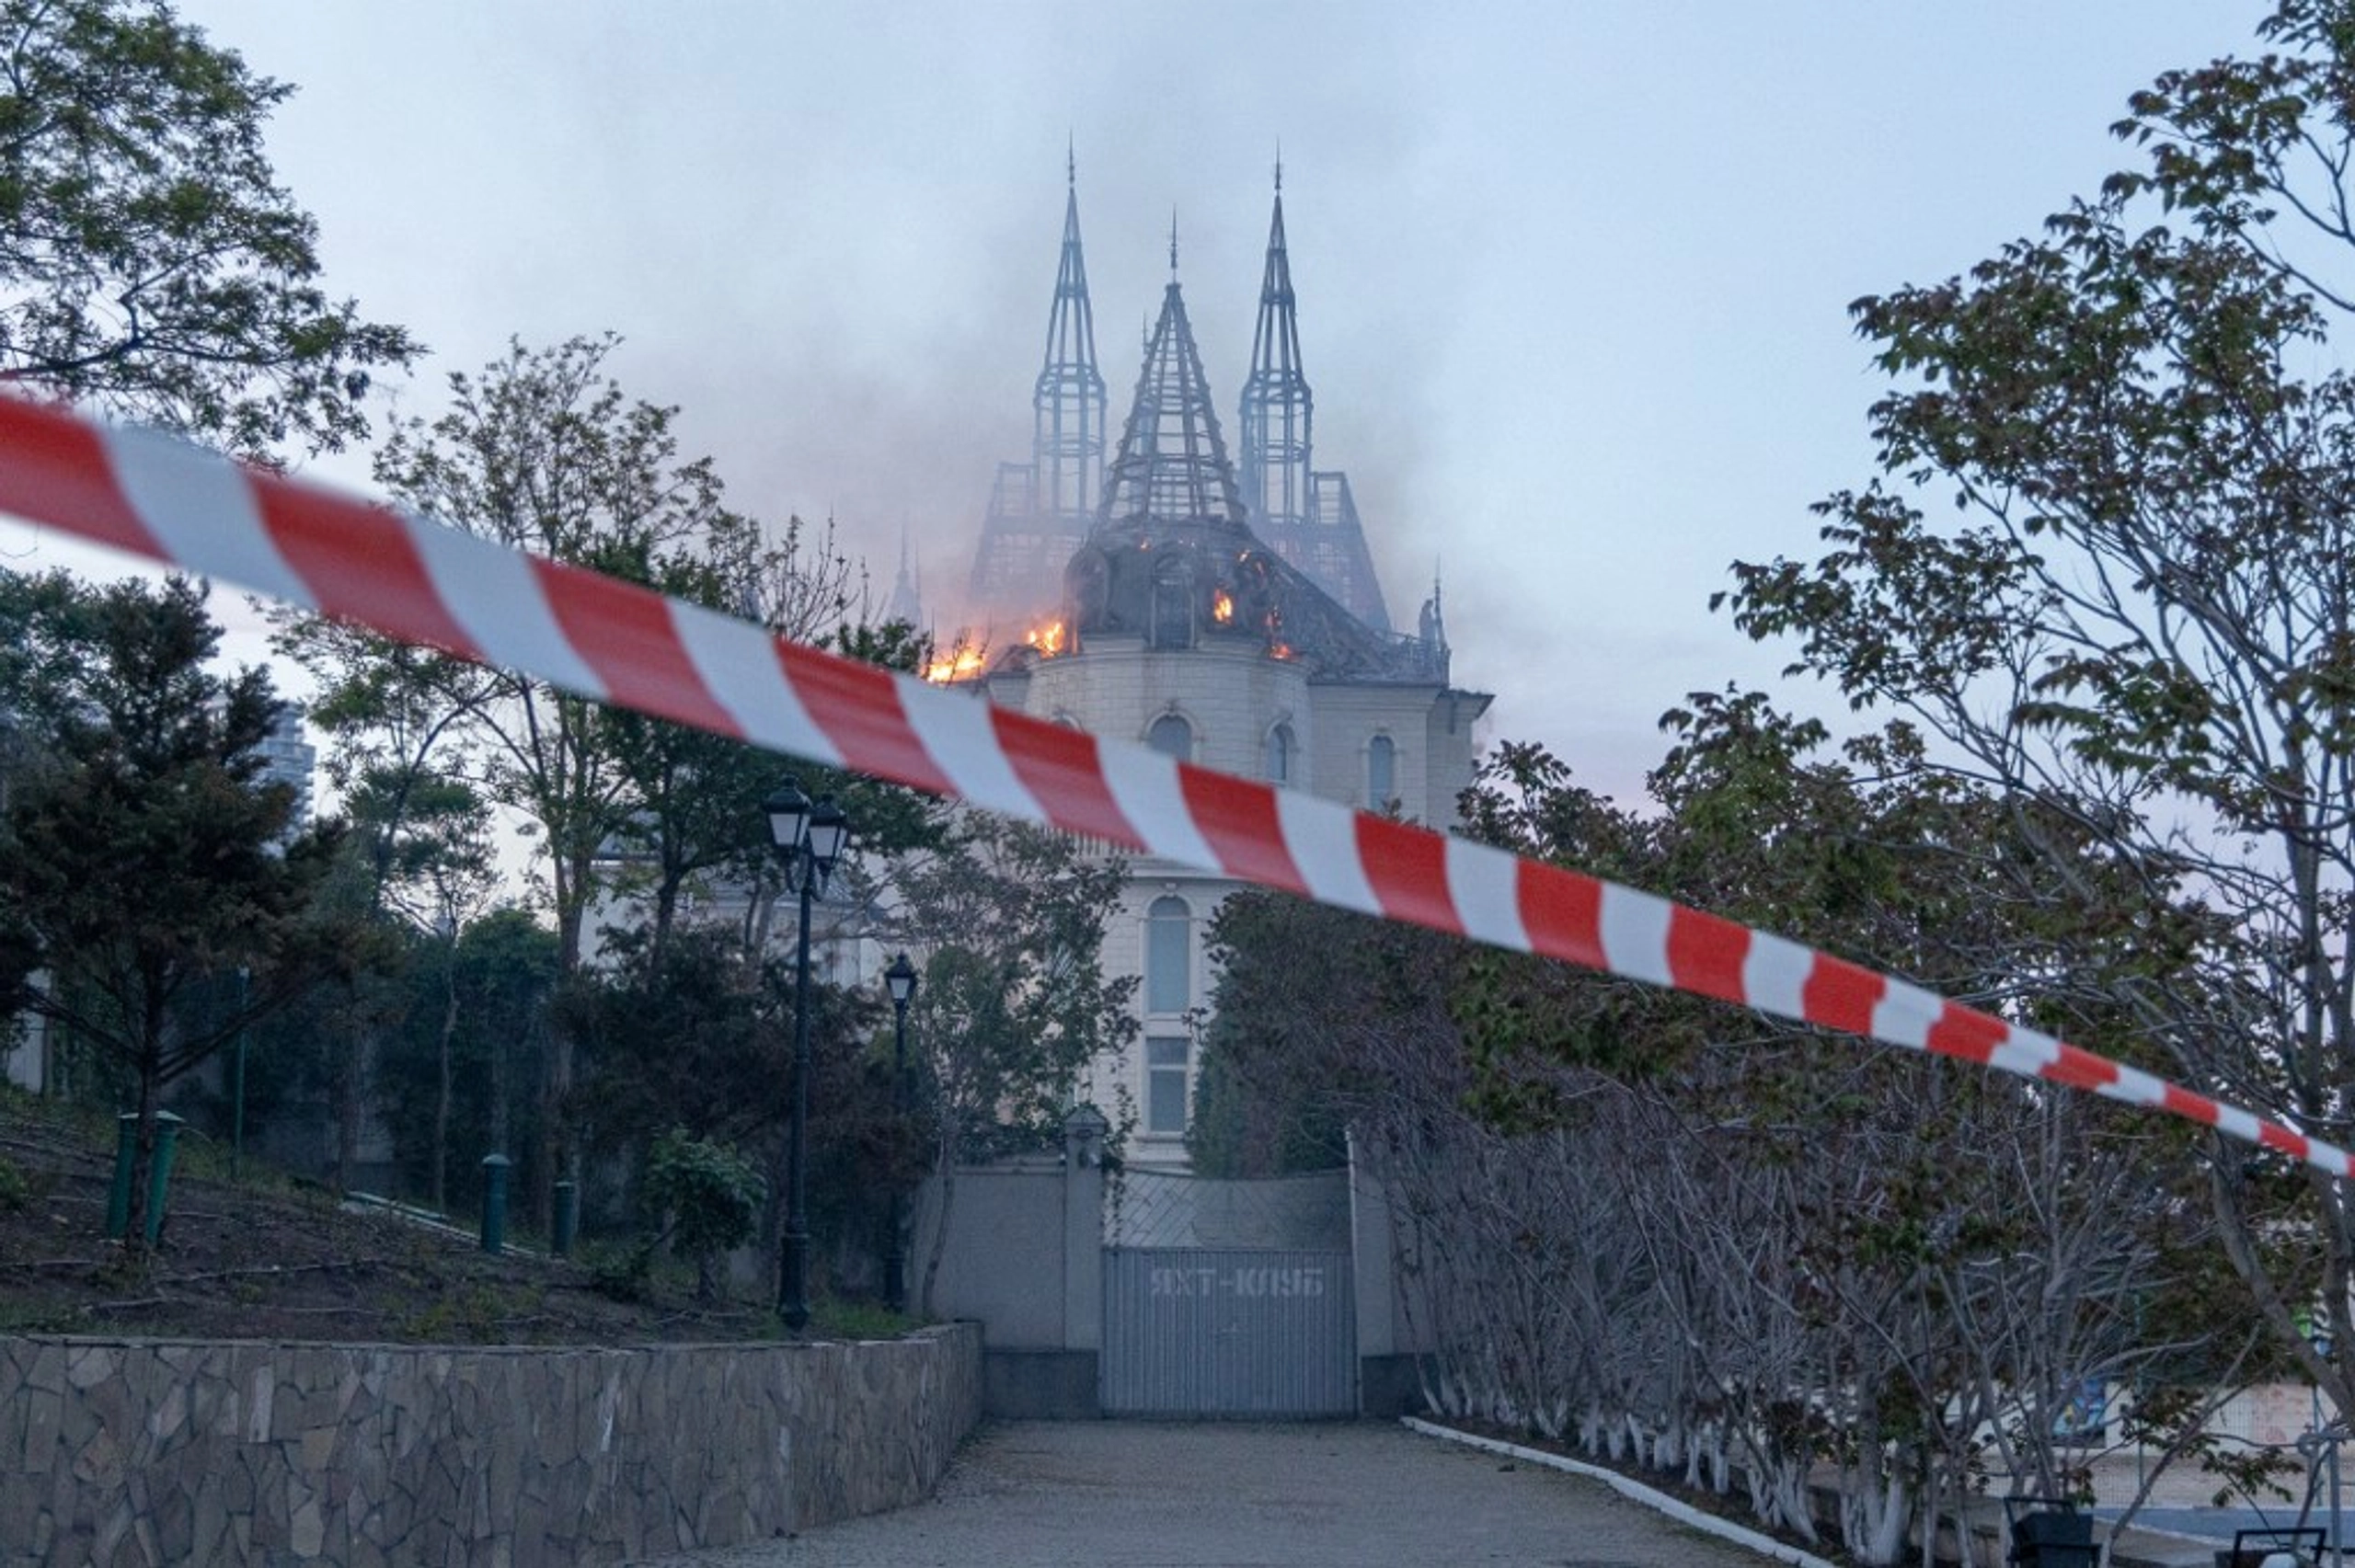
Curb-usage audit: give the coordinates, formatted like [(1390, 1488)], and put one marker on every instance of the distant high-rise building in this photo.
[(289, 758)]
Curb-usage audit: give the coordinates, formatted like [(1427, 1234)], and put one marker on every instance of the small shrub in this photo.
[(712, 1194), (619, 1273)]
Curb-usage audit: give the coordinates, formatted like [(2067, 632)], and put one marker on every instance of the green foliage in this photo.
[(2135, 634), (711, 1193), (1007, 922), (490, 994), (1317, 1012), (149, 262), (834, 1318), (469, 1313), (145, 778), (691, 1035), (16, 1187), (621, 1272)]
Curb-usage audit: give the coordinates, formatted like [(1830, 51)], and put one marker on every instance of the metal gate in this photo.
[(1229, 1298)]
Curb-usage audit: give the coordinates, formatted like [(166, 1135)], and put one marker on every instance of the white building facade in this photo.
[(1220, 633)]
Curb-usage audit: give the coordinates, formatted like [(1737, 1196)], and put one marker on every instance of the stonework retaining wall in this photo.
[(126, 1452)]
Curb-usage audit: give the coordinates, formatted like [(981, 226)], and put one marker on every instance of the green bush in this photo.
[(712, 1197)]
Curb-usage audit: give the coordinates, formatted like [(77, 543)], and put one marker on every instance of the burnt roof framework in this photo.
[(1173, 560)]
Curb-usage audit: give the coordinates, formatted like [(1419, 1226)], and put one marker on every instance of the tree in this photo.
[(149, 262), (681, 1035), (141, 858), (464, 1087), (430, 867), (1694, 1236), (2140, 632), (1307, 997), (712, 1196), (543, 452), (1007, 923)]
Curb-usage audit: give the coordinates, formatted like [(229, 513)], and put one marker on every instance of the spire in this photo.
[(1172, 473), (1040, 511), (1277, 408), (906, 602), (1308, 516), (1067, 429)]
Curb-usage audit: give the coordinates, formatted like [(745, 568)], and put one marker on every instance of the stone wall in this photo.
[(115, 1452)]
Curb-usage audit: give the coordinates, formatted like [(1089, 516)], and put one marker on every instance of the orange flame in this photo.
[(958, 664), (1281, 650), (1049, 637), (1222, 607)]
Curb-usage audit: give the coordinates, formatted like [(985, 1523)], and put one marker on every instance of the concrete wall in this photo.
[(1022, 1257), (1390, 1343), (117, 1452)]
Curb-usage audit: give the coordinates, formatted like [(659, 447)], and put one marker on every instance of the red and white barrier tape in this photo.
[(158, 496)]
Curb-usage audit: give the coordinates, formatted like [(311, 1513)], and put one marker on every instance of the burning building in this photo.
[(1227, 618)]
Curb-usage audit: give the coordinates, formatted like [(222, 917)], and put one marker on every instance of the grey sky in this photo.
[(1573, 276)]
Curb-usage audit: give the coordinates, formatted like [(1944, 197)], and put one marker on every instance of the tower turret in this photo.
[(1277, 406), (1040, 511), (906, 600), (1308, 517), (1171, 478), (1067, 404)]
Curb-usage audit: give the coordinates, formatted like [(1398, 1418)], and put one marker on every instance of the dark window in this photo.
[(1280, 754), (1169, 957), (1173, 606), (1172, 736), (1164, 1084)]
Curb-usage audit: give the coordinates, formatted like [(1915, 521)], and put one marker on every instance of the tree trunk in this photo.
[(347, 1109), (143, 1159), (441, 1088), (948, 1147)]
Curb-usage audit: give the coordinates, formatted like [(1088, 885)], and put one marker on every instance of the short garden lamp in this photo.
[(1084, 1132)]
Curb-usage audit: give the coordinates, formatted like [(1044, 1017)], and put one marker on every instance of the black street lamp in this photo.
[(810, 840), (901, 978)]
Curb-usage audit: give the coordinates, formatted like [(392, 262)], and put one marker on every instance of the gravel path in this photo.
[(1114, 1495)]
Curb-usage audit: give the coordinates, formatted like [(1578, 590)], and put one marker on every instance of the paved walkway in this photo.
[(1114, 1495)]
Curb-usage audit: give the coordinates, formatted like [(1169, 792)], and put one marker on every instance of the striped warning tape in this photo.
[(156, 495)]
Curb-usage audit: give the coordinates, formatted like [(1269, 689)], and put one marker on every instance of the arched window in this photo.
[(1280, 754), (1380, 772), (1172, 736), (1169, 957)]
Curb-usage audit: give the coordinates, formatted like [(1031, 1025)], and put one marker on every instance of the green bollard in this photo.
[(160, 1173), (568, 1219), (494, 1202)]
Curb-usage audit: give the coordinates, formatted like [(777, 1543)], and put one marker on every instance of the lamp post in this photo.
[(901, 978), (810, 840)]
